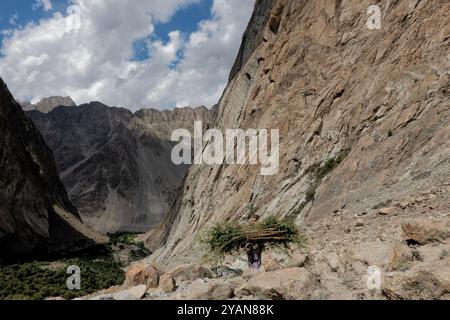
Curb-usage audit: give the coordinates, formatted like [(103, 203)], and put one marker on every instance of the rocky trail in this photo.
[(407, 241)]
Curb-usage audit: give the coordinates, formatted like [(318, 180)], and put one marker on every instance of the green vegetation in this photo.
[(321, 171), (140, 252), (229, 238), (311, 193), (39, 280), (128, 239), (124, 238), (444, 254), (99, 270)]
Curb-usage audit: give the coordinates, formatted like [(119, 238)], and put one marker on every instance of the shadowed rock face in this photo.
[(363, 115), (253, 35), (117, 165), (36, 216)]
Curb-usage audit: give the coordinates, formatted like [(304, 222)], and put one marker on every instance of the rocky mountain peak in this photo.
[(48, 104), (117, 165)]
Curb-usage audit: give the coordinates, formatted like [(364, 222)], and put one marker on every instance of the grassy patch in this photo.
[(124, 238), (321, 171), (140, 252), (37, 281)]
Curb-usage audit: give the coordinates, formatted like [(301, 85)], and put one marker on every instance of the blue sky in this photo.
[(129, 53), (184, 20), (25, 11)]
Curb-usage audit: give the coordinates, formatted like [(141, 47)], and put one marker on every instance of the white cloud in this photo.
[(93, 63), (13, 19), (46, 5)]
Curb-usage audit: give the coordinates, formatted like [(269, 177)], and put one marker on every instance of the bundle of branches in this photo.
[(227, 238)]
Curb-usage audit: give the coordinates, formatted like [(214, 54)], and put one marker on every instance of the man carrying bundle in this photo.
[(228, 238), (254, 255)]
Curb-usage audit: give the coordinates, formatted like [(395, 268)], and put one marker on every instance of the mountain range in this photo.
[(364, 121), (116, 165)]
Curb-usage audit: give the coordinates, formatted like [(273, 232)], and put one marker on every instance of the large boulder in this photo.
[(421, 285), (189, 272), (133, 293), (202, 289), (142, 273), (167, 284), (271, 264), (401, 257), (423, 231), (288, 284)]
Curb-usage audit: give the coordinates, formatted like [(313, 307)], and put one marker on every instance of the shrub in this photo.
[(311, 193), (321, 171), (140, 252), (126, 238)]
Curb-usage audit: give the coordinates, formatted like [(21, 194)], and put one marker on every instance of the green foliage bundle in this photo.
[(228, 238)]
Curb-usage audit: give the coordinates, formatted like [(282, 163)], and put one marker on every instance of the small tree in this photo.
[(229, 238)]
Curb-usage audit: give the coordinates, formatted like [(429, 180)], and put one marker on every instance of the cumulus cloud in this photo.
[(13, 19), (93, 62), (46, 5)]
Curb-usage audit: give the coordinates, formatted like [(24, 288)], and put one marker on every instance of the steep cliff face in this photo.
[(36, 216), (253, 35), (117, 165), (363, 117)]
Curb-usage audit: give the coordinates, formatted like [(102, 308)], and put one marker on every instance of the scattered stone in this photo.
[(360, 223), (133, 293), (226, 272), (296, 260), (202, 289), (423, 285), (333, 262), (138, 292), (373, 253), (401, 258), (271, 264), (403, 205), (108, 297), (167, 284), (120, 296), (387, 211)]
